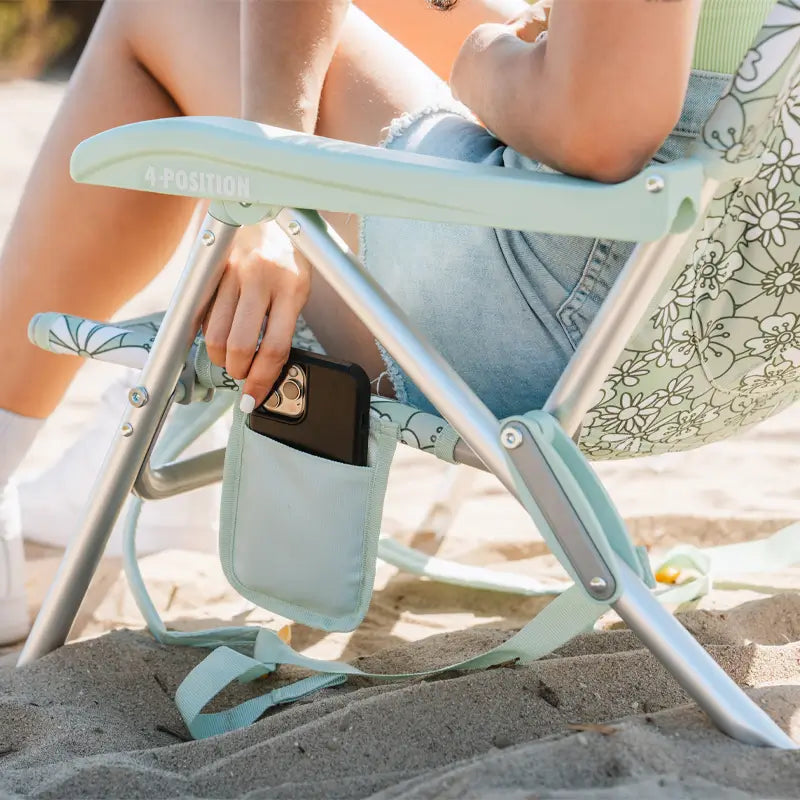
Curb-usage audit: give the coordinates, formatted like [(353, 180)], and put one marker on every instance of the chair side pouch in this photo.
[(299, 533)]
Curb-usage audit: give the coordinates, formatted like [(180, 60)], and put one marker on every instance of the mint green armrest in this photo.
[(236, 160)]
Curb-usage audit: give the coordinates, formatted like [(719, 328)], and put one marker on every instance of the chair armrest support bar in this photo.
[(619, 316)]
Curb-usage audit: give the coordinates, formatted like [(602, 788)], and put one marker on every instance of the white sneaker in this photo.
[(184, 522), (14, 620)]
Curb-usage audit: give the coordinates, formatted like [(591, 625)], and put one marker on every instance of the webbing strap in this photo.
[(773, 553), (443, 570), (568, 615), (571, 613), (222, 667)]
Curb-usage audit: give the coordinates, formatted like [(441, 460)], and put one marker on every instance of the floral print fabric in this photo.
[(721, 349)]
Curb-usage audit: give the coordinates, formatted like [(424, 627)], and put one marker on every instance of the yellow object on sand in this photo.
[(285, 634), (668, 574)]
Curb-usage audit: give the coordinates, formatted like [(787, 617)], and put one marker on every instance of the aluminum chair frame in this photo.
[(126, 467)]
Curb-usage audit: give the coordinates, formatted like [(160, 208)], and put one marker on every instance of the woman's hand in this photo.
[(468, 76), (265, 277), (532, 22)]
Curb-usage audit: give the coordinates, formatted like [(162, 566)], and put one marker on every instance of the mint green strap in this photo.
[(222, 667), (445, 571), (770, 554), (567, 616)]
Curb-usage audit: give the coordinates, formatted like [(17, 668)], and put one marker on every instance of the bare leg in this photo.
[(395, 41), (435, 36), (82, 250)]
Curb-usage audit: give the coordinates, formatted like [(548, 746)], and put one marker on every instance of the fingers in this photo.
[(254, 301), (273, 351), (257, 280), (217, 324)]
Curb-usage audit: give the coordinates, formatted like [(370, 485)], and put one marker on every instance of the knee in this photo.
[(114, 26)]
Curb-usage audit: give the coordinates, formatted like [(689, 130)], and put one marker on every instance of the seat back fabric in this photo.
[(720, 349)]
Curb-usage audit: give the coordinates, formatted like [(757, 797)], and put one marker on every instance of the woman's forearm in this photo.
[(286, 49), (591, 99)]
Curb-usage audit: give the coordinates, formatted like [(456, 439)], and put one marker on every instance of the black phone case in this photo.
[(335, 423)]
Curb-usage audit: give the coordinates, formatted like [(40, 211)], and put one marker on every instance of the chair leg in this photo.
[(729, 708), (726, 704), (139, 427)]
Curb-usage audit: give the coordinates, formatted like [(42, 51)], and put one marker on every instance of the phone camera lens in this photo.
[(294, 372), (273, 401), (291, 390)]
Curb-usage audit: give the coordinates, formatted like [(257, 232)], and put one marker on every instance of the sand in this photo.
[(600, 718)]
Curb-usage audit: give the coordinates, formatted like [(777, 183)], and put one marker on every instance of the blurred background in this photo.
[(43, 38)]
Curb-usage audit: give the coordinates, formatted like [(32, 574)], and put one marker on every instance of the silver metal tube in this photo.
[(463, 454), (359, 290), (727, 705), (158, 483), (618, 318), (729, 708), (133, 439)]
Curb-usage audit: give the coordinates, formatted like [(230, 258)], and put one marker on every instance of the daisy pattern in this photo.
[(767, 217), (780, 165), (678, 389), (684, 424), (721, 349), (783, 280), (622, 443), (629, 372), (634, 413), (660, 350)]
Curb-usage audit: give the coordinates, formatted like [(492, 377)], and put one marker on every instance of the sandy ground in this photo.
[(96, 718)]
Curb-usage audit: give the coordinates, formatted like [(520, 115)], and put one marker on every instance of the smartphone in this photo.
[(318, 405)]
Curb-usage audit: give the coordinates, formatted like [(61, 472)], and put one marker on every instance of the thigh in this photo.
[(373, 79), (435, 37), (192, 48)]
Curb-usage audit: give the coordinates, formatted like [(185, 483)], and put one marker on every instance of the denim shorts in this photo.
[(505, 308)]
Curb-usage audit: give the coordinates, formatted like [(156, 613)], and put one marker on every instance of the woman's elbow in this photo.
[(607, 157), (608, 152)]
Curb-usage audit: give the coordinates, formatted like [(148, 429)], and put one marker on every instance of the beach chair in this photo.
[(699, 337)]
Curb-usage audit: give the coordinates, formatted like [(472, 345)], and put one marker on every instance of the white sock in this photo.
[(16, 437)]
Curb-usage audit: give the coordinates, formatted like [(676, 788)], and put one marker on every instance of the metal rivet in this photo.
[(208, 238), (138, 396), (245, 205), (126, 429), (655, 184), (598, 583), (511, 437), (293, 228)]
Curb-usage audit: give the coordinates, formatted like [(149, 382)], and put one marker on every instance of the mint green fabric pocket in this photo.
[(299, 533)]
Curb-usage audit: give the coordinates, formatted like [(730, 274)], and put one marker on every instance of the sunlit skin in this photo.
[(340, 71)]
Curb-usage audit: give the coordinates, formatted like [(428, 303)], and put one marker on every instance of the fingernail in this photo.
[(247, 404)]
